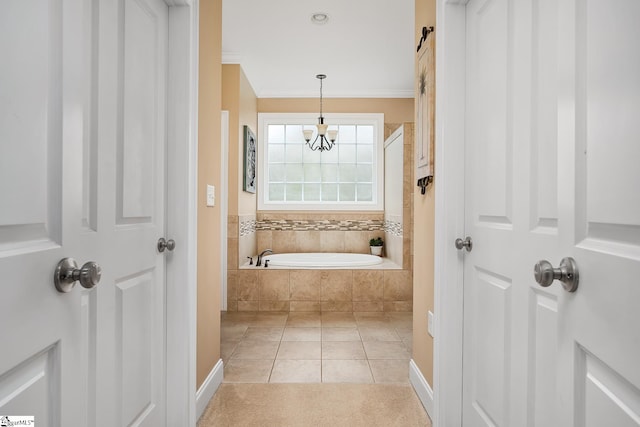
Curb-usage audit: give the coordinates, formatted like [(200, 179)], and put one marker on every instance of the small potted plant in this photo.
[(375, 245)]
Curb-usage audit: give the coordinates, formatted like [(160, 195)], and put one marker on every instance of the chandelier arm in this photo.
[(320, 143)]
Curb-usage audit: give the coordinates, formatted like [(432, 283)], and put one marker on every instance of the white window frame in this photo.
[(375, 119)]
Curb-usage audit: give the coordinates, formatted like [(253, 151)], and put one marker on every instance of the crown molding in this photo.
[(231, 58), (314, 94)]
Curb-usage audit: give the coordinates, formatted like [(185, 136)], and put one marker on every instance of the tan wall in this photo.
[(231, 103), (240, 100), (248, 115), (423, 238), (396, 110), (209, 107)]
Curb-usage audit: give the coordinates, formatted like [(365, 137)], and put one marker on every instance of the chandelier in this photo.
[(325, 139)]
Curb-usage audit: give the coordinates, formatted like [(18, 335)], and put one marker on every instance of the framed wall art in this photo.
[(425, 109), (249, 176)]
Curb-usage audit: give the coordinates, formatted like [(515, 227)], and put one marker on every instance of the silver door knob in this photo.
[(166, 244), (67, 274), (467, 243), (567, 273)]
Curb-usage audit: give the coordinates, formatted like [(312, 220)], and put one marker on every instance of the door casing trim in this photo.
[(449, 210), (181, 210)]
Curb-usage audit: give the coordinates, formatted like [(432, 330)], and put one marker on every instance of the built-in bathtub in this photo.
[(346, 282), (322, 260)]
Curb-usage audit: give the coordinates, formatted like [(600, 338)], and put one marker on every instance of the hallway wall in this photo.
[(423, 238), (209, 154)]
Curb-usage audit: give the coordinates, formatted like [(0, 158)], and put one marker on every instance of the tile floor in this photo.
[(316, 347)]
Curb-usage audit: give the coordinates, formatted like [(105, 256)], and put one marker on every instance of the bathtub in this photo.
[(321, 282), (320, 260)]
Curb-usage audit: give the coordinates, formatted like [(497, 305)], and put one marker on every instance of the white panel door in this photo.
[(82, 174), (131, 325), (492, 340), (43, 346), (553, 102), (599, 138)]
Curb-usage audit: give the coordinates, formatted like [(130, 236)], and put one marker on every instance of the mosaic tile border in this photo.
[(319, 225), (393, 227), (248, 227)]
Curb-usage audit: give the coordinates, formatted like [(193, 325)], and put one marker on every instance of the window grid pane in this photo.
[(342, 174)]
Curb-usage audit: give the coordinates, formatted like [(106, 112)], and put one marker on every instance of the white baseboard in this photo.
[(209, 388), (422, 388)]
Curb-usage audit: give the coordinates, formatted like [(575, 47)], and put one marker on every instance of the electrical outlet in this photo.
[(430, 323)]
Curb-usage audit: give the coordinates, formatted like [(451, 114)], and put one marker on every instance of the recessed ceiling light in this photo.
[(319, 18)]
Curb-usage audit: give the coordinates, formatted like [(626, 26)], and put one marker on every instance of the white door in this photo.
[(550, 175), (132, 120), (493, 342), (43, 356), (599, 211), (82, 175)]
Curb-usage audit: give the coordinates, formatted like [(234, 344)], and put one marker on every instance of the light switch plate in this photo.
[(430, 323), (211, 195)]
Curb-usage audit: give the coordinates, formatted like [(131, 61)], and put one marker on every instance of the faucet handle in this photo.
[(250, 260)]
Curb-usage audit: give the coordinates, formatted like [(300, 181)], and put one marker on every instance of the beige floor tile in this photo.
[(405, 333), (401, 320), (232, 332), (256, 350), (296, 371), (247, 371), (370, 316), (272, 333), (390, 371), (346, 371), (346, 350), (231, 318), (226, 349), (372, 333), (299, 350), (340, 334), (304, 320), (339, 320), (372, 319), (361, 347), (301, 334), (270, 319), (386, 350)]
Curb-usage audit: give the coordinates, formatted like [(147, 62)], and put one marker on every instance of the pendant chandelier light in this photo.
[(325, 139)]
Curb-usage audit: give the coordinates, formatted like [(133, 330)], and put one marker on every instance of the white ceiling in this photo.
[(366, 49)]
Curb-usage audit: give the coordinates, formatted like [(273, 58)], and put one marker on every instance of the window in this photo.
[(347, 177)]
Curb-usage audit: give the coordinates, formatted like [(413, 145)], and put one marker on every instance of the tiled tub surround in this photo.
[(318, 232), (337, 290), (393, 239), (241, 239)]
